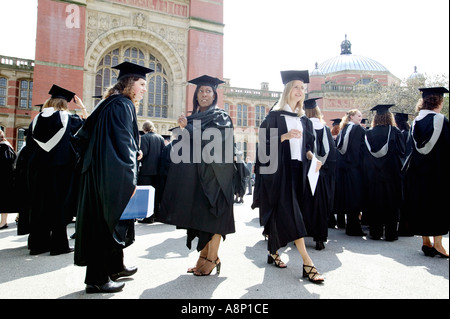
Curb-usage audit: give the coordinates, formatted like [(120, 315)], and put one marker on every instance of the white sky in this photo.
[(263, 37)]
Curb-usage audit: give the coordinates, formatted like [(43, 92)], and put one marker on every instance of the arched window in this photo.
[(156, 103)]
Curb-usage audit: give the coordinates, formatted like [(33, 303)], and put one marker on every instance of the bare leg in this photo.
[(201, 260), (427, 241), (307, 261), (4, 220), (438, 245), (212, 256)]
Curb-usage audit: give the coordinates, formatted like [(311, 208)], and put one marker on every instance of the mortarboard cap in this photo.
[(311, 103), (382, 108), (58, 92), (336, 121), (363, 121), (207, 80), (433, 91), (401, 117), (288, 76), (132, 69)]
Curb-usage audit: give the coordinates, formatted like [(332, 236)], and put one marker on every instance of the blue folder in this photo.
[(141, 204)]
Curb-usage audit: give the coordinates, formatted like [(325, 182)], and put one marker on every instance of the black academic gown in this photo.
[(279, 195), (349, 178), (198, 195), (50, 184), (8, 202), (426, 184), (109, 142), (383, 180), (318, 207)]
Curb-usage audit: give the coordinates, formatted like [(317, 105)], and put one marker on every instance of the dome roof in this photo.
[(350, 62)]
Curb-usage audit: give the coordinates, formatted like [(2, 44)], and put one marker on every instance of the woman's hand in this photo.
[(80, 104), (182, 120), (291, 134)]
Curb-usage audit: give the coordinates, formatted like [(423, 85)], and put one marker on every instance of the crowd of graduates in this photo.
[(392, 177)]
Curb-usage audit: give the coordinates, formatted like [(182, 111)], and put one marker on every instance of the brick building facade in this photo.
[(78, 43)]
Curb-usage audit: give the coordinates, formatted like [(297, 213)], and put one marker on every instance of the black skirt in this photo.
[(286, 222)]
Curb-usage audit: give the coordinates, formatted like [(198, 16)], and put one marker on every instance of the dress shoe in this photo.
[(434, 252), (428, 251), (66, 251), (4, 226), (109, 287), (127, 272)]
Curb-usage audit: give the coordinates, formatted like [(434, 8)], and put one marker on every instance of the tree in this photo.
[(404, 96)]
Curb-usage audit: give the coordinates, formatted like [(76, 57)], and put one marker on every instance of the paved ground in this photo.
[(354, 268)]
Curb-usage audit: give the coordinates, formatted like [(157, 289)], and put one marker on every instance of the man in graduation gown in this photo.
[(109, 145)]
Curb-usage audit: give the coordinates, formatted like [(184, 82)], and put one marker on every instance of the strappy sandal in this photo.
[(312, 274), (217, 266), (193, 269), (276, 260)]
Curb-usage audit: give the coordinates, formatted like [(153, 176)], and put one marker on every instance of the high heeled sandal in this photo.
[(276, 260), (312, 274), (217, 267), (193, 269)]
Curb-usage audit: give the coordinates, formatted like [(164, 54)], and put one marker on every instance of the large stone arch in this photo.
[(164, 49)]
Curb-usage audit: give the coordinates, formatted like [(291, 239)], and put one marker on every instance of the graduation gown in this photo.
[(426, 181), (318, 207), (7, 158), (279, 195), (349, 176), (48, 161), (108, 142), (383, 159), (198, 192)]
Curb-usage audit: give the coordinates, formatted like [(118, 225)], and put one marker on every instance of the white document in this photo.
[(313, 176)]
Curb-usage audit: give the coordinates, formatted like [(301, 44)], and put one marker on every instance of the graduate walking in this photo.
[(198, 193), (109, 143), (385, 149), (426, 172), (281, 179), (318, 206)]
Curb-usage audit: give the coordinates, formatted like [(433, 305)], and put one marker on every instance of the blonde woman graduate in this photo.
[(281, 179)]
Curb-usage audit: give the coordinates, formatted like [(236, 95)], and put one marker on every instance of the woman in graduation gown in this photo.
[(50, 182), (7, 200), (109, 144), (318, 207), (281, 172), (349, 176), (385, 149), (426, 171), (198, 195)]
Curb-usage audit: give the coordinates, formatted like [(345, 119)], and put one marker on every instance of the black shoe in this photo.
[(66, 251), (127, 272), (4, 226), (147, 220), (434, 252), (428, 251), (109, 287)]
